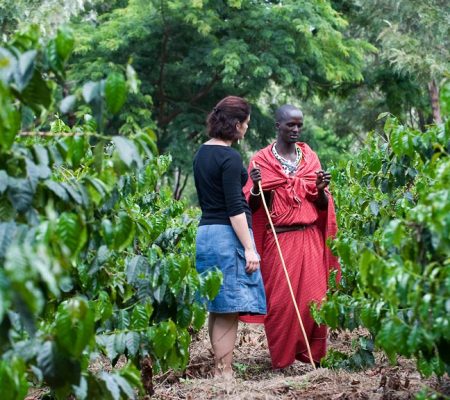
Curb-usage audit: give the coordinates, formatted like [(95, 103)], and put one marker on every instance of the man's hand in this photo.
[(323, 180), (255, 175)]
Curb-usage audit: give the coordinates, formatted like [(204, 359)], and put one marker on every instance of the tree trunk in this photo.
[(177, 181), (422, 122), (147, 375), (433, 90), (178, 187)]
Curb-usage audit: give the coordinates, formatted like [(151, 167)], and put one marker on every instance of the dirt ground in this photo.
[(254, 378)]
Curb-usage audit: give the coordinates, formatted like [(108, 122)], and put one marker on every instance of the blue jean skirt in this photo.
[(243, 293)]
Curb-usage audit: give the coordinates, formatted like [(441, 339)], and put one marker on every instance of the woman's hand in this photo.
[(323, 180), (252, 261)]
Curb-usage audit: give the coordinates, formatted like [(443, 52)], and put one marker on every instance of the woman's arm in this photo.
[(231, 171), (240, 226)]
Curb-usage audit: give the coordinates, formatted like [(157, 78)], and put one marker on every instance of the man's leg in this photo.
[(222, 333)]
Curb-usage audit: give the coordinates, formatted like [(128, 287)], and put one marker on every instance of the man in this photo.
[(302, 212)]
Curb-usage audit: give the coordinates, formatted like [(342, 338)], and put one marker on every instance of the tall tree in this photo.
[(416, 41), (413, 39), (49, 14), (190, 54)]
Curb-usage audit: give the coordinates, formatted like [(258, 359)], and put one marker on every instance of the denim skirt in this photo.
[(241, 292)]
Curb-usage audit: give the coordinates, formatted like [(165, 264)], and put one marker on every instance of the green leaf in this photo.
[(53, 60), (3, 181), (10, 120), (74, 326), (77, 150), (140, 317), (199, 316), (162, 338), (211, 282), (91, 92), (41, 154), (136, 267), (122, 320), (57, 368), (103, 307), (42, 263), (119, 342), (108, 342), (67, 104), (374, 208), (132, 341), (20, 193), (115, 92), (127, 151), (123, 231), (69, 230), (132, 80), (125, 386), (13, 379), (99, 156), (184, 316), (107, 232), (37, 93), (111, 384), (57, 189), (25, 69), (383, 115), (73, 192), (64, 42), (8, 64), (7, 233), (392, 338)]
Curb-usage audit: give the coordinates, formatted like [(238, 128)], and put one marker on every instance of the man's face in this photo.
[(290, 127)]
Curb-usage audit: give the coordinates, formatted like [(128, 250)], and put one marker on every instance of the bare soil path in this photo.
[(255, 379)]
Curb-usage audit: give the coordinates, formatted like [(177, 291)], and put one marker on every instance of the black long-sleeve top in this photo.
[(219, 178)]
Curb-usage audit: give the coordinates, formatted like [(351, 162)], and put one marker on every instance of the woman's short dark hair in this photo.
[(225, 115)]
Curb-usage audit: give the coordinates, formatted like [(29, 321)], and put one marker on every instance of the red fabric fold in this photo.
[(307, 258)]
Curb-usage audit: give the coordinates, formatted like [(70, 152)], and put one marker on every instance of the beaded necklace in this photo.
[(289, 167)]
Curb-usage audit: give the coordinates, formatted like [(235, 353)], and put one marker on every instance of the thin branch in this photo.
[(161, 95), (64, 134), (202, 93), (176, 187), (183, 186)]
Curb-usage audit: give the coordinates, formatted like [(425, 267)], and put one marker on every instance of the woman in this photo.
[(224, 237)]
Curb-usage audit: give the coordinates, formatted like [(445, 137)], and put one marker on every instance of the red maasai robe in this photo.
[(308, 260)]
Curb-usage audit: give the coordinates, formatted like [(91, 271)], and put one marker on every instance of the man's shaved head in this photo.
[(283, 111)]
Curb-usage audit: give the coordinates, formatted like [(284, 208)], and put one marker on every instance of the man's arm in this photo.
[(322, 181), (255, 195)]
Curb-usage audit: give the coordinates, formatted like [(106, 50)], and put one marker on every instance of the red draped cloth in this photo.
[(307, 258)]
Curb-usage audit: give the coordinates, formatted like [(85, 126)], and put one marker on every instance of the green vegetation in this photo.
[(95, 260), (393, 208)]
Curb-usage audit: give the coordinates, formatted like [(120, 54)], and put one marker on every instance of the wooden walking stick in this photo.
[(285, 272)]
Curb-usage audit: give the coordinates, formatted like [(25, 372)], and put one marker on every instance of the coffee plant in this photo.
[(393, 202), (96, 258)]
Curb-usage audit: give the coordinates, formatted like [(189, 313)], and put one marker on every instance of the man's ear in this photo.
[(277, 124)]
